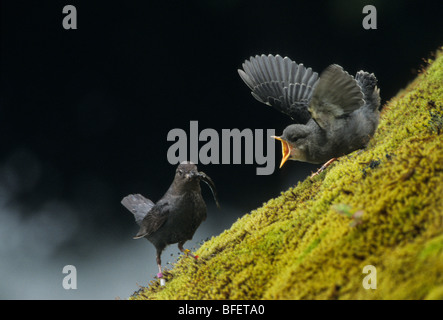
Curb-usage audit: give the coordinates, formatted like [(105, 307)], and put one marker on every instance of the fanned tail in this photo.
[(368, 84)]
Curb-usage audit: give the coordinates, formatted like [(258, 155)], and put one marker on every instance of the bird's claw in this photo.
[(323, 167), (188, 253), (315, 174), (318, 172)]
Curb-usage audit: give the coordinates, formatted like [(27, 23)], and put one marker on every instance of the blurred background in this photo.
[(84, 116)]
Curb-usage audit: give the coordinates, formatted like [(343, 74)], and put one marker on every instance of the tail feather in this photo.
[(138, 205), (368, 84)]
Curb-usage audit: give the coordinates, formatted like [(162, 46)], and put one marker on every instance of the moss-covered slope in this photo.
[(305, 244)]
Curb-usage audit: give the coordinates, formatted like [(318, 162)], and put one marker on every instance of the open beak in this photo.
[(285, 149)]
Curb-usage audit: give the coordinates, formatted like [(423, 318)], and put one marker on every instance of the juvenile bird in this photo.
[(335, 113), (177, 215)]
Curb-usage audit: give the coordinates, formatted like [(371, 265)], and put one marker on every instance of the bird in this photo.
[(334, 114), (177, 215)]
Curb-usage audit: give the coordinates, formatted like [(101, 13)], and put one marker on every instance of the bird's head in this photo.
[(187, 174), (294, 143)]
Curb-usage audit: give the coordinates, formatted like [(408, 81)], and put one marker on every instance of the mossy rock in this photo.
[(381, 206)]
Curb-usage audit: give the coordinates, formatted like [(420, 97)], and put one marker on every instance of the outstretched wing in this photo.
[(336, 95), (280, 83)]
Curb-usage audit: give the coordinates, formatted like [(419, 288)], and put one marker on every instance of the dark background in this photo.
[(84, 116)]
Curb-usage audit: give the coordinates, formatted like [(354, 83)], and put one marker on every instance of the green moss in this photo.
[(302, 245), (434, 247)]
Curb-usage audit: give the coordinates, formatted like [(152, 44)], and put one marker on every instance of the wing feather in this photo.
[(280, 83), (335, 95)]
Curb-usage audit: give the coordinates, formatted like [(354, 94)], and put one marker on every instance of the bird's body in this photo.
[(186, 210), (335, 113), (344, 136), (177, 215)]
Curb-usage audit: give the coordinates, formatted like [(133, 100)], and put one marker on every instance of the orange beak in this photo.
[(285, 150)]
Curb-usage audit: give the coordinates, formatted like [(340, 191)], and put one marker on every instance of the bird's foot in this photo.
[(188, 253), (160, 277), (323, 167)]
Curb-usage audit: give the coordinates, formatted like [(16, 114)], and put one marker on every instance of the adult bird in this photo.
[(334, 114), (177, 215)]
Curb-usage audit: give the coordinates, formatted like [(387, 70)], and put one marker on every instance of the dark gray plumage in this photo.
[(335, 114), (177, 215)]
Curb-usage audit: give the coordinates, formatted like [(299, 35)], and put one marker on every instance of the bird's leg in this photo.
[(323, 167), (186, 251), (159, 264)]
